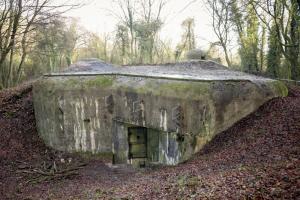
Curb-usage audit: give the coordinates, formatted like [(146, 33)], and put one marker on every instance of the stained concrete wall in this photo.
[(79, 113)]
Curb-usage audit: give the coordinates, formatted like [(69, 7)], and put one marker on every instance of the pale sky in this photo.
[(96, 17)]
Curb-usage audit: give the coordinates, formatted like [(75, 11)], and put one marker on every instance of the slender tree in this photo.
[(122, 44), (274, 54), (246, 25), (262, 47), (221, 24), (187, 39)]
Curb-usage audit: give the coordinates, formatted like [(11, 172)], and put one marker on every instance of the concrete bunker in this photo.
[(145, 114)]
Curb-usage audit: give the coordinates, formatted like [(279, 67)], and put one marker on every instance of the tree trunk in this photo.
[(294, 50)]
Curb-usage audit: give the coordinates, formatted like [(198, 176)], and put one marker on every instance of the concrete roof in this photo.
[(195, 70)]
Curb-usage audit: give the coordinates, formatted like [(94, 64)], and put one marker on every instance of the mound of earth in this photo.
[(257, 158), (21, 150)]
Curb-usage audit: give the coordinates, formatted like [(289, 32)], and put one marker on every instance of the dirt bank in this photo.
[(258, 158)]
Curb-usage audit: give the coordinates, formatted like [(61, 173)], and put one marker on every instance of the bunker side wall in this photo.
[(78, 114)]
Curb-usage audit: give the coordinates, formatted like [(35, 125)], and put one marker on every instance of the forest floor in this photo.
[(257, 158)]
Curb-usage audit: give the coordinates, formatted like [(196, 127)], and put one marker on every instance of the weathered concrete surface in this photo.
[(90, 107), (203, 70)]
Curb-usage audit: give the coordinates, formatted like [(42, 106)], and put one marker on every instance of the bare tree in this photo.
[(188, 41), (221, 24), (149, 25), (17, 24), (127, 16), (142, 18)]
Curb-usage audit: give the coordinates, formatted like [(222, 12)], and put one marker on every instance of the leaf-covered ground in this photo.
[(258, 158)]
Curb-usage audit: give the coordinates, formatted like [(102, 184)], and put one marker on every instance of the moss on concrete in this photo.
[(74, 83), (279, 88), (177, 89), (99, 81), (231, 100)]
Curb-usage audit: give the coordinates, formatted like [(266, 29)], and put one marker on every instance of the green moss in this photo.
[(85, 82), (73, 83), (183, 87), (50, 85), (279, 87), (179, 89), (176, 89), (99, 81)]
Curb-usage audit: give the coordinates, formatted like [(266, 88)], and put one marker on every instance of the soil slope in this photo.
[(257, 158)]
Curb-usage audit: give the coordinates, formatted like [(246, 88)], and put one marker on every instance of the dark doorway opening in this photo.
[(137, 140)]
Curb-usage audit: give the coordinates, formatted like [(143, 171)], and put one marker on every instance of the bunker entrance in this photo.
[(135, 145), (137, 141)]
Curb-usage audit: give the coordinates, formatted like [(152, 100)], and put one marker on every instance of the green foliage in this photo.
[(281, 19)]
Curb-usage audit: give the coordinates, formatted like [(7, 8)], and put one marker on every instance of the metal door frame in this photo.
[(129, 143)]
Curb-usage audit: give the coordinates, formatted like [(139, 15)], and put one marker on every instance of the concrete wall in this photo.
[(81, 114)]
